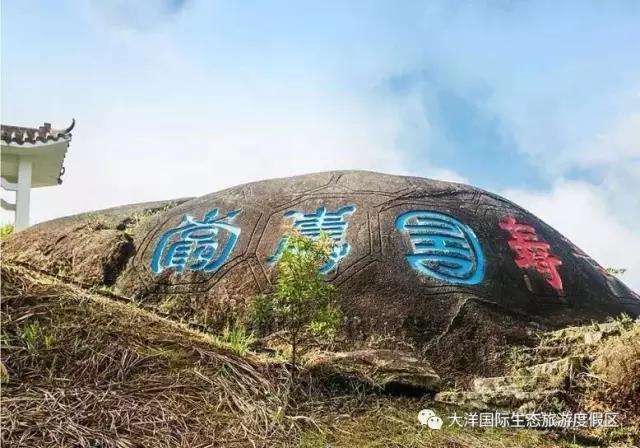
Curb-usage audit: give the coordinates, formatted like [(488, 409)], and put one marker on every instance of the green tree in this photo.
[(303, 304)]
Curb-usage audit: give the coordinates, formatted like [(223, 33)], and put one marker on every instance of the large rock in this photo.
[(449, 269)]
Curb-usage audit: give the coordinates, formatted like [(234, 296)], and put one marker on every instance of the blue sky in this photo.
[(535, 100)]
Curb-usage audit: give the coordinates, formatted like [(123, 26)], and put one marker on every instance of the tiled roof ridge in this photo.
[(22, 135)]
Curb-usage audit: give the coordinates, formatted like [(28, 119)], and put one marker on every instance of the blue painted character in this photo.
[(332, 223), (443, 247), (198, 241)]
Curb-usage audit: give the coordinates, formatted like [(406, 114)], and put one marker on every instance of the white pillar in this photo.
[(23, 194)]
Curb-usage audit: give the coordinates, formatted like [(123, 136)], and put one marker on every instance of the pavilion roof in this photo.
[(46, 147), (43, 134)]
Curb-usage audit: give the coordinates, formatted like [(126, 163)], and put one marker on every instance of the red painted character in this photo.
[(532, 252)]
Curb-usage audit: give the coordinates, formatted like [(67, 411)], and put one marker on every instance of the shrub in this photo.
[(302, 306), (6, 230)]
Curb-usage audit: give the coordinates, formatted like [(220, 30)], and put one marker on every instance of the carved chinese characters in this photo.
[(532, 252)]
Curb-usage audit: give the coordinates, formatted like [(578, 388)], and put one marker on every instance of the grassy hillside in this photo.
[(81, 368), (84, 370)]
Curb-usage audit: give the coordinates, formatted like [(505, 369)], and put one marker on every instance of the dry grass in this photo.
[(378, 422), (616, 367), (93, 372), (612, 383)]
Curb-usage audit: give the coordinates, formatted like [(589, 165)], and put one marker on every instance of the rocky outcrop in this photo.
[(532, 385), (389, 370), (91, 253), (560, 368), (455, 272), (91, 249)]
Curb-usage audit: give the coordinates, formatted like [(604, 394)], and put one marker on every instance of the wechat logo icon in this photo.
[(428, 418)]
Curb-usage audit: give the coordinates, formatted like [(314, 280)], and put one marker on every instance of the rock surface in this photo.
[(545, 376), (391, 370), (508, 399), (453, 271), (561, 368), (531, 386)]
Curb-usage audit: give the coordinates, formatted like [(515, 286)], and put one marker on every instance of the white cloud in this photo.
[(146, 154), (616, 146)]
